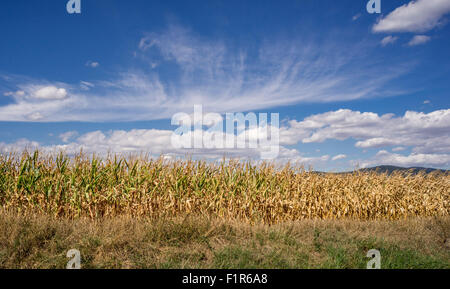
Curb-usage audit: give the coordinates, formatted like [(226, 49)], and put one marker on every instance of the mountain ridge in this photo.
[(390, 169)]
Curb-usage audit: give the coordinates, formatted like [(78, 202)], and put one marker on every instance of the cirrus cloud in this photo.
[(388, 40), (211, 73)]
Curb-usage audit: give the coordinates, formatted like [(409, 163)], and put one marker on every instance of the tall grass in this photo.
[(139, 186)]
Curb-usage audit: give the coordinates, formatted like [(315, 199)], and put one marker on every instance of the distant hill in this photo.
[(391, 169)]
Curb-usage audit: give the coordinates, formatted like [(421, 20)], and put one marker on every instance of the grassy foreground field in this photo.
[(194, 242), (141, 213)]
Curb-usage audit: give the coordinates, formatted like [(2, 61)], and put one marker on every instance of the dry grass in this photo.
[(141, 187), (196, 242)]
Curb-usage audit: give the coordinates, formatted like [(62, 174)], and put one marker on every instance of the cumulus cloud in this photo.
[(418, 39), (35, 116), (388, 40), (415, 159), (155, 143), (424, 133), (38, 92), (49, 92), (398, 149), (65, 137), (38, 102), (416, 16), (18, 146)]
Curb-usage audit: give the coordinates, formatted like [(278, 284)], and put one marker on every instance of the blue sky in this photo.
[(351, 88)]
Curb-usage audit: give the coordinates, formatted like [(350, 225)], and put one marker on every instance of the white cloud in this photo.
[(186, 49), (18, 146), (311, 161), (388, 40), (18, 93), (427, 135), (85, 85), (49, 92), (222, 79), (38, 92), (92, 64), (424, 132), (415, 159), (418, 39), (153, 142), (398, 149), (356, 17), (65, 137), (427, 101), (35, 116), (339, 157), (416, 16)]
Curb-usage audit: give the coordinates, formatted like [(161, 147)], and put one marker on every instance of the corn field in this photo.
[(88, 186)]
